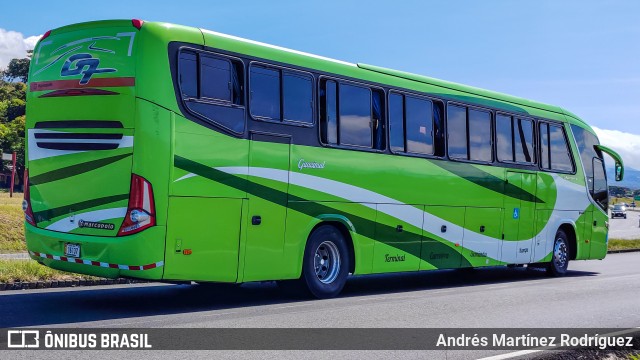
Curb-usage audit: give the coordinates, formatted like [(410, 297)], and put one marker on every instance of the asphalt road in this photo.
[(603, 294), (628, 228)]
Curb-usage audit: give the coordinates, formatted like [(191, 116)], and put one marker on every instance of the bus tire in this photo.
[(560, 255), (325, 265)]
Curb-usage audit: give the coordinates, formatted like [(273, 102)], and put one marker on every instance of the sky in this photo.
[(580, 55)]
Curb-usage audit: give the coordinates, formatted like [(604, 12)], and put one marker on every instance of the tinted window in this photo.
[(298, 97), (514, 139), (210, 84), (330, 112), (480, 135), (457, 131), (523, 141), (586, 142), (545, 161), (560, 156), (396, 122), (419, 125), (216, 78), (600, 190), (355, 116), (265, 92), (188, 74), (231, 118), (504, 138)]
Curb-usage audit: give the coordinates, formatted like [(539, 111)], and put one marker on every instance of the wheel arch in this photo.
[(347, 230), (569, 229)]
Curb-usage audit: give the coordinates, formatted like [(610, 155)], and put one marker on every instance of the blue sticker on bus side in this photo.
[(516, 213)]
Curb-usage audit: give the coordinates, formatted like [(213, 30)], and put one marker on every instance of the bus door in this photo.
[(519, 216), (267, 192)]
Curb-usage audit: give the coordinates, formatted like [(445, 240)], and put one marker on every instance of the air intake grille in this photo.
[(48, 136)]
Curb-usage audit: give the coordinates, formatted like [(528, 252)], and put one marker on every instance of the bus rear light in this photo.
[(26, 202), (137, 23), (46, 35), (141, 212)]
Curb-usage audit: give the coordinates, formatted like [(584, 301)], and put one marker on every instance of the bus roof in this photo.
[(242, 45), (351, 67)]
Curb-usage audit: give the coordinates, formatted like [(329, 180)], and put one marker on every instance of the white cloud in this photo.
[(626, 144), (14, 45)]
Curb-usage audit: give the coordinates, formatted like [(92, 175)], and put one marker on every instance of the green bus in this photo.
[(172, 153)]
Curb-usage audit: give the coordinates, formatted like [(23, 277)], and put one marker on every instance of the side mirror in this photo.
[(619, 167), (619, 171)]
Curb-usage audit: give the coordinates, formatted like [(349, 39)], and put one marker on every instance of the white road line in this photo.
[(532, 351), (221, 314), (291, 306)]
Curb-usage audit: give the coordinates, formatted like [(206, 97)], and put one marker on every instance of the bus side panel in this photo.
[(599, 236), (303, 216), (202, 239)]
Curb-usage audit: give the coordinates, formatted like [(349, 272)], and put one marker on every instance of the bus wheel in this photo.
[(326, 262), (560, 259)]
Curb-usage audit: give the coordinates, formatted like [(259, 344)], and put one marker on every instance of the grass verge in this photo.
[(11, 224), (29, 270), (617, 244)]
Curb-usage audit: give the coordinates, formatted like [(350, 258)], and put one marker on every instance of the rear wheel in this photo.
[(325, 264), (560, 260)]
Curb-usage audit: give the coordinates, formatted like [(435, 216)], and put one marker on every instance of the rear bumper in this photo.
[(136, 256)]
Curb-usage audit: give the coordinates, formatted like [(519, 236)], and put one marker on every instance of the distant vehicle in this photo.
[(619, 211)]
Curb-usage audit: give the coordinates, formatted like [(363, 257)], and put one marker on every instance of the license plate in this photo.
[(72, 250)]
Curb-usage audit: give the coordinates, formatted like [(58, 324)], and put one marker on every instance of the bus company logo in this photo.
[(96, 225), (23, 339), (83, 64), (310, 165), (393, 258), (478, 254)]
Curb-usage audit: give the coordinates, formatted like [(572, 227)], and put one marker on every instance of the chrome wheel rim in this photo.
[(560, 253), (327, 262)]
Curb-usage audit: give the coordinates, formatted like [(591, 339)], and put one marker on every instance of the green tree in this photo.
[(12, 110), (18, 69)]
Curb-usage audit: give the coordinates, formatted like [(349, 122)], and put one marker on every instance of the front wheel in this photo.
[(560, 260), (326, 262)]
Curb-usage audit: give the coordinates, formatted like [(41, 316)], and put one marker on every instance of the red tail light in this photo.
[(141, 212), (26, 202), (46, 35), (137, 23)]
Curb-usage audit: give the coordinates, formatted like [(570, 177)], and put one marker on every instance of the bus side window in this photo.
[(457, 132), (265, 92), (396, 122), (419, 125), (545, 158), (438, 129), (188, 74), (378, 123), (479, 141), (355, 116), (211, 87), (523, 141), (329, 112), (297, 97), (560, 155)]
